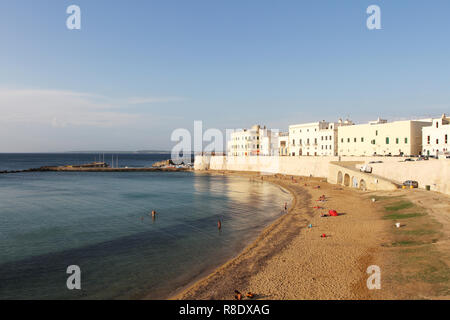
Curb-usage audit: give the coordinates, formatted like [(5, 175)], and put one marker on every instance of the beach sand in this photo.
[(291, 261)]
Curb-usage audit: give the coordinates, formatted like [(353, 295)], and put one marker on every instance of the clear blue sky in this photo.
[(139, 69)]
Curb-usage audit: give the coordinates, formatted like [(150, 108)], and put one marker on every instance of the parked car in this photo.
[(410, 184), (408, 159), (365, 168), (375, 162)]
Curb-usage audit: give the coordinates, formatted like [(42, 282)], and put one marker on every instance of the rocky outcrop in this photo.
[(164, 163)]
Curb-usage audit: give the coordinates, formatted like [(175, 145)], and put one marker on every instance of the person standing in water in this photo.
[(219, 225)]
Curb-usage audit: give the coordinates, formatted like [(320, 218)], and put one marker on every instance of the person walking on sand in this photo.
[(285, 206)]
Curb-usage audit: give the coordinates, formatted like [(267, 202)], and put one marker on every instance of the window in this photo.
[(376, 132), (397, 140), (428, 139), (362, 139), (387, 140), (293, 142), (437, 124), (342, 140), (348, 140), (437, 141), (406, 140), (300, 143), (354, 140), (446, 139), (373, 141)]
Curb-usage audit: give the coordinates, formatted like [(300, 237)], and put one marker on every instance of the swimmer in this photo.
[(219, 225)]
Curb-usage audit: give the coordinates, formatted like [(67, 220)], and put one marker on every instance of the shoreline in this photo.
[(75, 169), (258, 266)]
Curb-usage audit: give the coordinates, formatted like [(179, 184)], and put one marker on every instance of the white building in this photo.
[(315, 139), (435, 138), (256, 141), (283, 144), (269, 142), (382, 138)]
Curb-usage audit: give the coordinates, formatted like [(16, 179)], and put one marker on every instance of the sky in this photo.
[(137, 70)]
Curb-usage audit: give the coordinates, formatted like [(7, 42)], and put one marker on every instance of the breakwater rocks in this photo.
[(83, 169), (163, 163), (29, 170)]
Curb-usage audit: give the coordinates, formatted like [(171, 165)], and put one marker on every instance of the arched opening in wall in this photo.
[(362, 185), (347, 180), (339, 177), (354, 182)]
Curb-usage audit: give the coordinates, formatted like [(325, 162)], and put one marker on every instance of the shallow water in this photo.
[(100, 222)]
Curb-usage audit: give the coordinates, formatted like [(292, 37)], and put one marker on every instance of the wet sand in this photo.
[(291, 261)]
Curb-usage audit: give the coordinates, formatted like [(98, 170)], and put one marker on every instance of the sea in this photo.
[(100, 224)]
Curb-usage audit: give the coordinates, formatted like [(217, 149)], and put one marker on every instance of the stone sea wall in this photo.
[(435, 173)]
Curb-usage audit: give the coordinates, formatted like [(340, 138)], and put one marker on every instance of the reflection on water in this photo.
[(102, 222)]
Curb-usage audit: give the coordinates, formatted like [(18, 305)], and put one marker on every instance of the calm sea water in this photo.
[(100, 222)]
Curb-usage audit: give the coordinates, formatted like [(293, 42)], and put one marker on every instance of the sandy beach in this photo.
[(291, 261)]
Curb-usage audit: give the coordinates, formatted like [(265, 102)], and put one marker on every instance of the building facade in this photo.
[(283, 144), (315, 139), (399, 138), (256, 141), (435, 138), (269, 142)]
